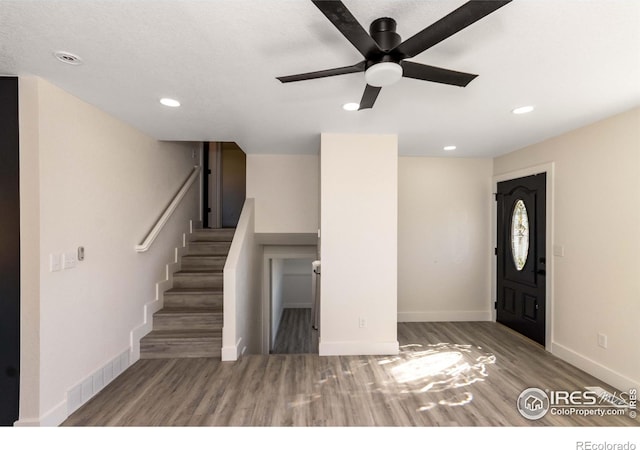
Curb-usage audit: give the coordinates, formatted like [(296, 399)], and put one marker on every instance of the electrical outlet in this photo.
[(55, 262), (362, 322), (602, 340)]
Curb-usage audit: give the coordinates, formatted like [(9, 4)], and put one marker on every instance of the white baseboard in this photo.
[(358, 348), (231, 352), (26, 423), (615, 379), (55, 416), (444, 316), (52, 418)]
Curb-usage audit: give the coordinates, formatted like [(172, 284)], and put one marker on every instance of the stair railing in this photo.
[(162, 220)]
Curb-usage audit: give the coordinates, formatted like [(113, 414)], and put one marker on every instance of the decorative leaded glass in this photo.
[(519, 235)]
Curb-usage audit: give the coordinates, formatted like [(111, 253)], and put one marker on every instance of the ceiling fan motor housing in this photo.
[(383, 31)]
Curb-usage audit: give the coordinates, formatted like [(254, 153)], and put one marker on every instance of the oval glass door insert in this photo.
[(519, 235)]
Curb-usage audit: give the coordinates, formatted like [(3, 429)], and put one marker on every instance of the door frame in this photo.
[(549, 169), (270, 253)]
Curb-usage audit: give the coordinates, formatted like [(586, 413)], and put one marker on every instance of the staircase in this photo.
[(190, 324)]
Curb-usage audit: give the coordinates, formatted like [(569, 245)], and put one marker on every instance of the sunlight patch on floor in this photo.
[(439, 372), (429, 365)]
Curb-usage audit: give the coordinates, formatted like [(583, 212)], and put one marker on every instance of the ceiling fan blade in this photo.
[(344, 21), (369, 97), (436, 74), (459, 19), (324, 73)]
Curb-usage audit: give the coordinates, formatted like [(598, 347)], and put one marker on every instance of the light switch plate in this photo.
[(55, 262), (69, 260), (558, 250)]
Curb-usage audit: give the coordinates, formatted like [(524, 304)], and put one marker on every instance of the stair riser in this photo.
[(210, 348), (211, 321), (203, 263), (213, 235), (192, 300), (209, 248), (197, 281)]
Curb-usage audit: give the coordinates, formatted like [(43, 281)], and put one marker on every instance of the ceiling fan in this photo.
[(385, 53)]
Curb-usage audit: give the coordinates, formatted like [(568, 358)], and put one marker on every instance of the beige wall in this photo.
[(287, 192), (359, 251), (597, 224), (100, 184), (29, 251), (444, 250), (296, 283)]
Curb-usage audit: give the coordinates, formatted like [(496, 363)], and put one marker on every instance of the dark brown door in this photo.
[(521, 255), (233, 183), (9, 252)]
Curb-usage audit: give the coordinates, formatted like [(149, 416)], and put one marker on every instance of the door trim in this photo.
[(271, 252), (549, 169)]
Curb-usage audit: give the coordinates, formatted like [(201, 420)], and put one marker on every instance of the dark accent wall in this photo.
[(9, 252)]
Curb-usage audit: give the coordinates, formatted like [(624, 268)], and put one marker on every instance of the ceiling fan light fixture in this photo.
[(383, 74)]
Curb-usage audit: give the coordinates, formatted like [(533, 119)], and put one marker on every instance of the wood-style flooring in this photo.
[(447, 374), (295, 334)]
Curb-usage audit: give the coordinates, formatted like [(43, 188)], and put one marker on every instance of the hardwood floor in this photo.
[(447, 374), (295, 334)]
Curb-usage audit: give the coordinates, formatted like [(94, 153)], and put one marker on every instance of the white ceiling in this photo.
[(577, 61)]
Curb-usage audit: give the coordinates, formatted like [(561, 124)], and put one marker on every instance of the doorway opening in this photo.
[(288, 301), (224, 184)]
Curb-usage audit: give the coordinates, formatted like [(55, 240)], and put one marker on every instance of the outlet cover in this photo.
[(602, 340)]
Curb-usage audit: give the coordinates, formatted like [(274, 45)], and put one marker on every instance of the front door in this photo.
[(521, 255), (9, 252)]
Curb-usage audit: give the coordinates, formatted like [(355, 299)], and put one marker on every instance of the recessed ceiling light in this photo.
[(450, 147), (68, 58), (351, 106), (170, 102), (523, 110)]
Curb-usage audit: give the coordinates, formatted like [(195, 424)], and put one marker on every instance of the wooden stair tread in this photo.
[(193, 291), (189, 310), (198, 272), (184, 334), (196, 256)]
